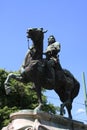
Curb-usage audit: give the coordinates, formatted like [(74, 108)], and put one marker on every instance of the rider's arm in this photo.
[(57, 46)]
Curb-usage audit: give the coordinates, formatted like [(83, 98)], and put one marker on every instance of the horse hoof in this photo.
[(70, 117), (7, 89)]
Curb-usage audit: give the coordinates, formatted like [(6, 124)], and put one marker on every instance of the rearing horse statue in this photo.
[(33, 53), (36, 71)]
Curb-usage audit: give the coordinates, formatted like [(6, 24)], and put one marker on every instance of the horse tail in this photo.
[(75, 89)]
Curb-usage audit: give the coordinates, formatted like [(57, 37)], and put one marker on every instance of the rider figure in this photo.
[(53, 62), (52, 57)]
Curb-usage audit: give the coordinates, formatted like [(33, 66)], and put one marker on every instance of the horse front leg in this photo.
[(68, 105), (6, 83)]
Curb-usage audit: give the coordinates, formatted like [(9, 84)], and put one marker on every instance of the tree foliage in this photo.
[(21, 97)]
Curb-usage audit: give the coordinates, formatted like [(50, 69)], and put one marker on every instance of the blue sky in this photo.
[(65, 19)]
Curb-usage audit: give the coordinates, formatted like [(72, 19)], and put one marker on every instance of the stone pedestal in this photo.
[(39, 120)]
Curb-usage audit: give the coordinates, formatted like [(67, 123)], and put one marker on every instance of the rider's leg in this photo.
[(50, 65)]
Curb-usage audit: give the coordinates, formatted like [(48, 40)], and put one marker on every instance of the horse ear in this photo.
[(45, 31)]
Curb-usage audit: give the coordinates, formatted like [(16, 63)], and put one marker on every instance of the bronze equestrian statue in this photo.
[(37, 72)]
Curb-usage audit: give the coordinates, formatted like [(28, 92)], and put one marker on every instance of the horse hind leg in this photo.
[(71, 97), (39, 96), (62, 110), (69, 107)]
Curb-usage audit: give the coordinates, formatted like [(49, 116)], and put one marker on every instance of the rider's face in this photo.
[(51, 40)]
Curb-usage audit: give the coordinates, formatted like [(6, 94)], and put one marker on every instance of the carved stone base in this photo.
[(39, 120)]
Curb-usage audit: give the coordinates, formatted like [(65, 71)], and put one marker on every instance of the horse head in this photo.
[(36, 34)]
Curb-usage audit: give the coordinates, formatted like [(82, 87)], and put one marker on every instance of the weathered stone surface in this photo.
[(39, 120)]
